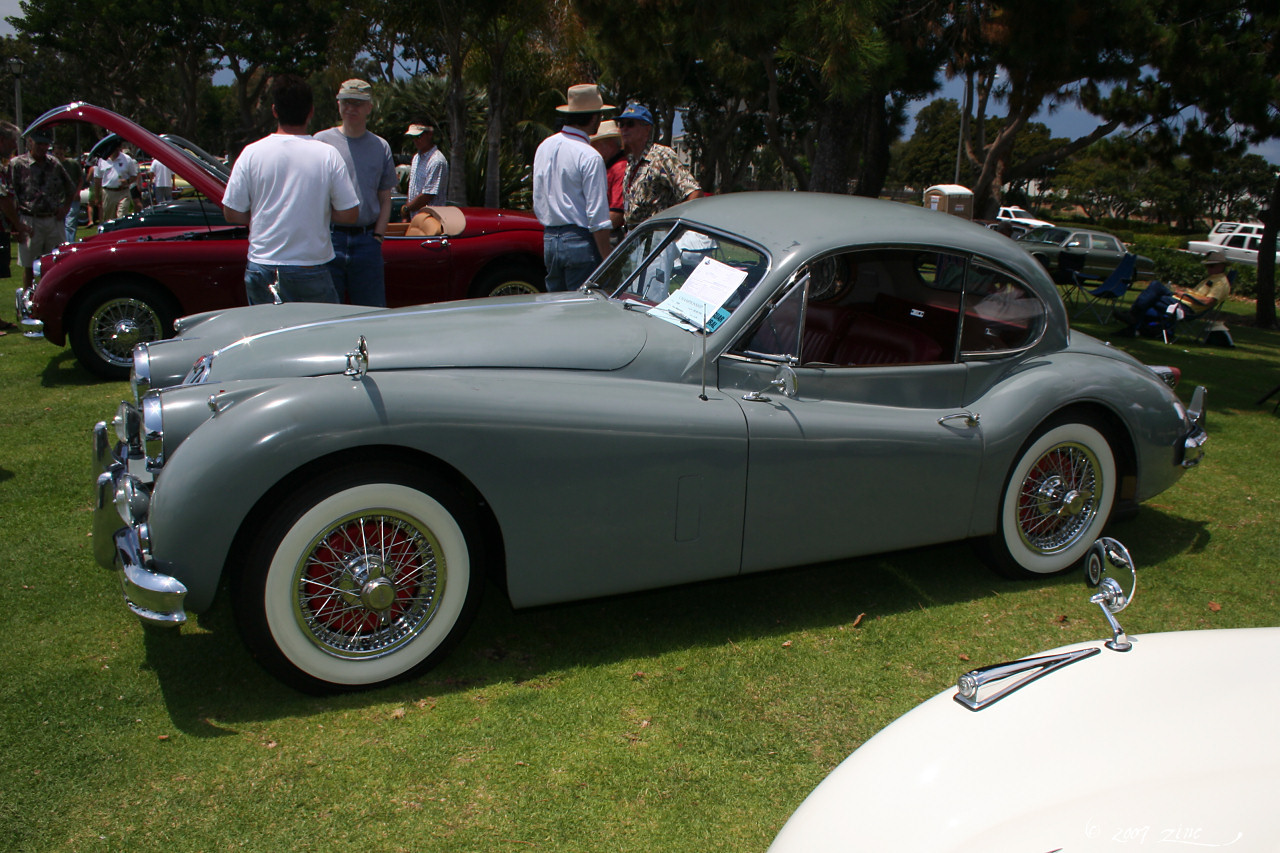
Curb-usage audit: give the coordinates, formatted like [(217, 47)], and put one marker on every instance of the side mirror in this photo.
[(784, 380)]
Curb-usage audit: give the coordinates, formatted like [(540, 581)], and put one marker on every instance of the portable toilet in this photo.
[(950, 198)]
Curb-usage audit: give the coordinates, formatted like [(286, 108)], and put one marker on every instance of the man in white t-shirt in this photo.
[(161, 182), (116, 174), (287, 187)]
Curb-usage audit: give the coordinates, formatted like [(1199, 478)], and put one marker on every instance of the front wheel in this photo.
[(1055, 503), (114, 319), (366, 576)]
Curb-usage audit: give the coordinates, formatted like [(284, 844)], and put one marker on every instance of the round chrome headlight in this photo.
[(140, 374), (153, 431), (128, 427)]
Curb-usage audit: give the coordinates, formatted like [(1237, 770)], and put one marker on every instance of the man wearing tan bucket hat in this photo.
[(1157, 301), (570, 192)]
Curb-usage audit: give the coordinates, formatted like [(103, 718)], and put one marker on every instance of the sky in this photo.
[(1069, 121), (1066, 122)]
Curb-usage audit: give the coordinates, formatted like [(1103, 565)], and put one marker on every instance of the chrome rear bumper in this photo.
[(122, 539)]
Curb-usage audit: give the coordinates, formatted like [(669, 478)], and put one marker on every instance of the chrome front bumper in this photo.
[(122, 538), (23, 309)]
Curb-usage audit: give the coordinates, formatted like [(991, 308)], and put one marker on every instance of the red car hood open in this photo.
[(139, 137)]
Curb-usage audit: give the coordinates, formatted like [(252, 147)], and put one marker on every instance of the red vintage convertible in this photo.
[(116, 289)]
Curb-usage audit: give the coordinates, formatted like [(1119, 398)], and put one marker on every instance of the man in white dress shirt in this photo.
[(571, 192)]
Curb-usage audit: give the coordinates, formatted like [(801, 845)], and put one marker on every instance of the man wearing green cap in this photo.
[(42, 190), (357, 267)]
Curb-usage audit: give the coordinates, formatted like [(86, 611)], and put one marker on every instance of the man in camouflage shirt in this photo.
[(9, 136), (656, 179), (43, 191)]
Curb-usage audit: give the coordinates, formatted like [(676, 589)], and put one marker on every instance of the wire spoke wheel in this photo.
[(369, 584), (1056, 501), (118, 325), (1058, 498), (363, 576)]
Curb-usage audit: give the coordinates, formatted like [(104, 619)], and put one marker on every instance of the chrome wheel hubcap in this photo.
[(1058, 502)]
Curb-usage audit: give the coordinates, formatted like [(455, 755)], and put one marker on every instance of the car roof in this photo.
[(796, 226)]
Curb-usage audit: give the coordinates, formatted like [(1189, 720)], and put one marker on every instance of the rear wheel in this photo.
[(508, 280), (366, 576), (114, 319), (1056, 501)]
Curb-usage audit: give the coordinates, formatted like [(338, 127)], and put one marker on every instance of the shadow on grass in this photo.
[(63, 370), (209, 676)]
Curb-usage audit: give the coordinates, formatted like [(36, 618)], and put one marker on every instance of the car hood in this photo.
[(1173, 741), (563, 331), (136, 135)]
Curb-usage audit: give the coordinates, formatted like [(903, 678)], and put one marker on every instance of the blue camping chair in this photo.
[(1108, 294)]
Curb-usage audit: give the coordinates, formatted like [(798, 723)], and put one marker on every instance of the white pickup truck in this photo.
[(1239, 241), (1019, 216)]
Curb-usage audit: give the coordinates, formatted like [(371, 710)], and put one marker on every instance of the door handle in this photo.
[(970, 419)]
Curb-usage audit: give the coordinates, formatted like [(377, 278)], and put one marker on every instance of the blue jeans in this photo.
[(357, 269), (570, 254), (72, 222), (295, 284), (1151, 303)]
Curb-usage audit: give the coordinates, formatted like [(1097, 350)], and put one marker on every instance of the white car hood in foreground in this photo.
[(1173, 745)]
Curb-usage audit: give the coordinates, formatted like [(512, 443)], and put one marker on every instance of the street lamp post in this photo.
[(15, 67)]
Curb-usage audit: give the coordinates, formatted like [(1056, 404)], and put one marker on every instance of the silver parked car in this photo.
[(748, 382)]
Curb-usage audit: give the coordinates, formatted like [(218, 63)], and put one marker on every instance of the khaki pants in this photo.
[(115, 202)]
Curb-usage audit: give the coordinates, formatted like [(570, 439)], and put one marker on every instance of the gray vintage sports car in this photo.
[(749, 382)]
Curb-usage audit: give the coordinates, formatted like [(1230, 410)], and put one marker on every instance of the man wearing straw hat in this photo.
[(608, 141), (570, 192)]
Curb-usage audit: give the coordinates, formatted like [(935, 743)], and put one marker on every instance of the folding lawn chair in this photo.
[(1108, 294), (1201, 324)]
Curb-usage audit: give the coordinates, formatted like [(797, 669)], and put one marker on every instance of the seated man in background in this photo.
[(1158, 302)]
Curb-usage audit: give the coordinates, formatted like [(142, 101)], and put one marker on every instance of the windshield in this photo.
[(215, 166), (1045, 234), (683, 275)]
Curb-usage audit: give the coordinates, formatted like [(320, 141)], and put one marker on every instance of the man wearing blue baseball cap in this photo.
[(656, 179)]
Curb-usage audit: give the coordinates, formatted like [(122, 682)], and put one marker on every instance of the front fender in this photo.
[(626, 456)]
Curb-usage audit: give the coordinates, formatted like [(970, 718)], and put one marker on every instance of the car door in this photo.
[(1105, 255), (875, 450), (419, 270)]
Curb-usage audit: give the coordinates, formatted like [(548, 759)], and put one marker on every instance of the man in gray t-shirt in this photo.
[(357, 264)]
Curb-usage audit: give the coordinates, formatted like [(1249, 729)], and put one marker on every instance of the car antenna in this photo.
[(703, 395)]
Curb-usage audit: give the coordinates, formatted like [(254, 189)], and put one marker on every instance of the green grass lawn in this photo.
[(681, 720)]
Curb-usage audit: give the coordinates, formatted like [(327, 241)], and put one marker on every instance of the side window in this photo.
[(1110, 244), (777, 335), (1076, 241), (1001, 313), (866, 309), (1236, 241)]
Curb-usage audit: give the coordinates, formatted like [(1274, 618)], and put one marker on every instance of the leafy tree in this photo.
[(1234, 84), (1029, 56)]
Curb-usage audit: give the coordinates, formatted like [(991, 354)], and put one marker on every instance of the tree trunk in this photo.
[(874, 165), (1265, 316), (836, 149), (456, 109), (493, 142)]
